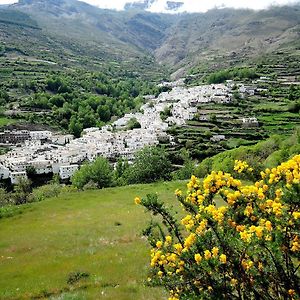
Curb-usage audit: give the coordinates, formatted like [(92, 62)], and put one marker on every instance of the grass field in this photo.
[(98, 232)]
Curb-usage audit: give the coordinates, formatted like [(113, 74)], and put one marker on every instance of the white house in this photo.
[(16, 176), (4, 172), (40, 135), (66, 172)]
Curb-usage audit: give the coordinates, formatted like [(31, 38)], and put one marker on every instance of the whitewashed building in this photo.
[(66, 172)]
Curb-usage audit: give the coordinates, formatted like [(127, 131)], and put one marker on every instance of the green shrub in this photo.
[(235, 241), (74, 277), (45, 192)]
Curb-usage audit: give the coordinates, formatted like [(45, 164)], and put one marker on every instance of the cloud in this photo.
[(7, 1), (189, 5), (202, 6)]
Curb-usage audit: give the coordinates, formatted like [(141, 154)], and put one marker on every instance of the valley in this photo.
[(103, 109)]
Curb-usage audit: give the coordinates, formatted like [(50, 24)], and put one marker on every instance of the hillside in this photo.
[(97, 232), (216, 39), (265, 154), (220, 38)]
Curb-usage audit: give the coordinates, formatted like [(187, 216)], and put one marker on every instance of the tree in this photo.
[(22, 191), (104, 113), (98, 172), (101, 172), (75, 127), (81, 177), (57, 100), (133, 123), (151, 164)]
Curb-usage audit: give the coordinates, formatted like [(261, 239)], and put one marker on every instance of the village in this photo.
[(50, 153)]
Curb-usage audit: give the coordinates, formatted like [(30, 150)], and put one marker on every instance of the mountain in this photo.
[(222, 37), (212, 40)]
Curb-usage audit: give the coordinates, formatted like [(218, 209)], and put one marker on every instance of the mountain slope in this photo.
[(228, 36), (215, 39)]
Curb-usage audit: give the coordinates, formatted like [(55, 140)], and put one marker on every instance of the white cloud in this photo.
[(7, 1), (189, 5)]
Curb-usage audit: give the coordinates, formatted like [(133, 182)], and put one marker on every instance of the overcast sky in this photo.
[(189, 5)]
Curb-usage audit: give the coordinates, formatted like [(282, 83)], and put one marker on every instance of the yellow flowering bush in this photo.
[(234, 241)]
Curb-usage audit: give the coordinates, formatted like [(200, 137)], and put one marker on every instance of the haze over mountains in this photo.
[(180, 41)]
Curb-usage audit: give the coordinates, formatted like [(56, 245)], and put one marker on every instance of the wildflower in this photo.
[(247, 265), (245, 236), (215, 251), (178, 248), (168, 240), (159, 244), (295, 245), (137, 200), (296, 215), (207, 254), (259, 231), (291, 292), (268, 225), (189, 241), (201, 226), (223, 258), (248, 210), (233, 281), (178, 193), (198, 258)]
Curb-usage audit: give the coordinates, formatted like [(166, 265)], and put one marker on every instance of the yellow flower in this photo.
[(259, 231), (198, 258), (291, 292), (160, 273), (168, 239), (207, 254), (268, 238), (178, 248), (223, 258), (137, 200), (268, 225), (215, 251), (201, 226), (295, 246), (240, 228), (159, 244), (190, 240), (245, 236), (233, 281), (248, 210), (296, 215), (247, 264), (178, 192)]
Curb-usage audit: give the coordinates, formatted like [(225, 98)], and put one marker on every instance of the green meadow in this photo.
[(96, 232)]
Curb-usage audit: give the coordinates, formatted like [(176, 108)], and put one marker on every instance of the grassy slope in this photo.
[(78, 231)]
